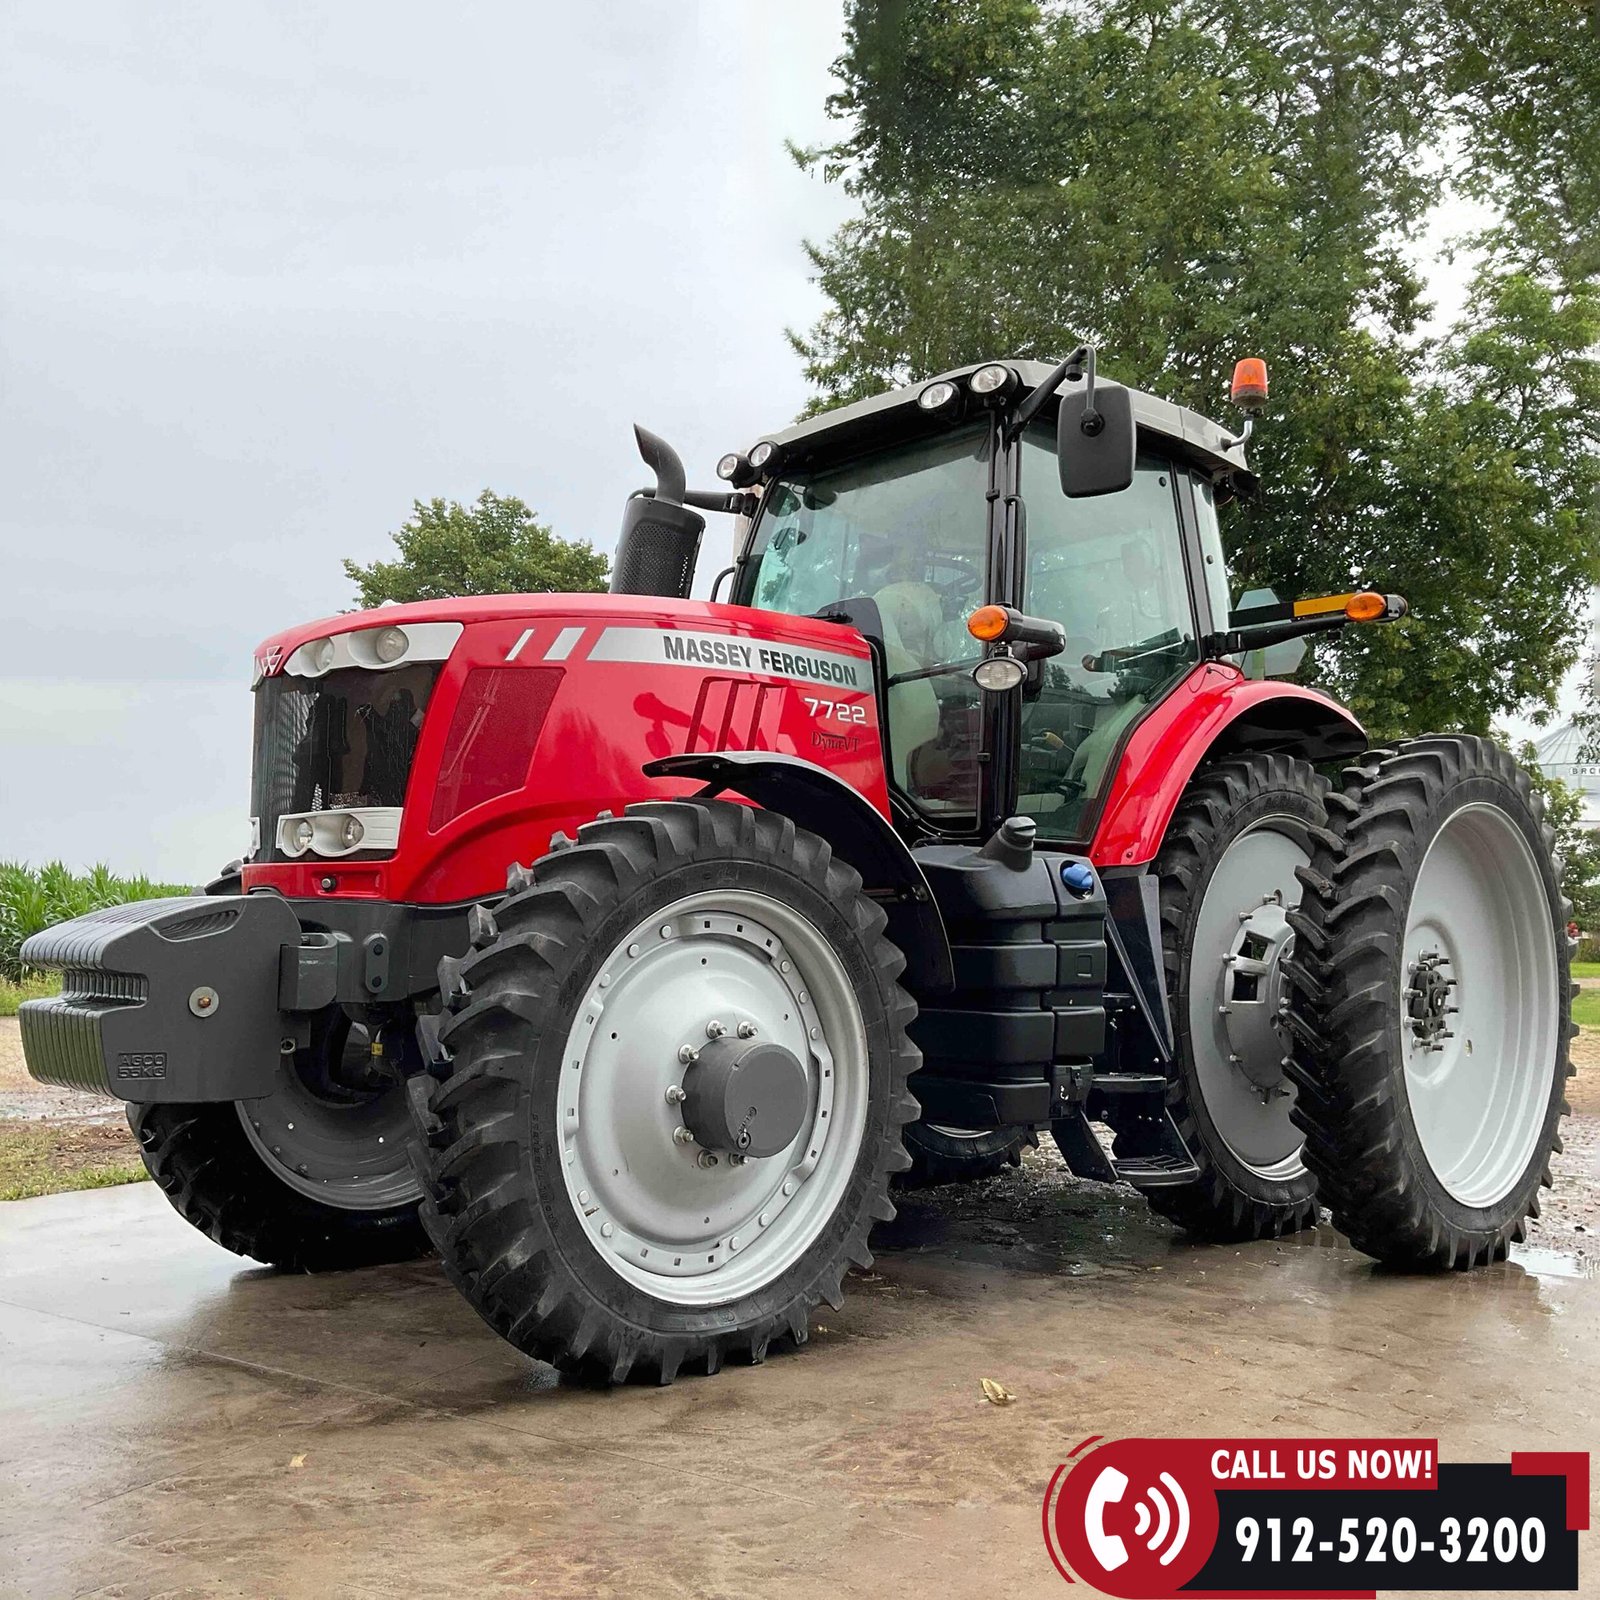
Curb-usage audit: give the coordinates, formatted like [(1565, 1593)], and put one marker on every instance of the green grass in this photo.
[(50, 1158), (1586, 969), (1586, 1008), (32, 988)]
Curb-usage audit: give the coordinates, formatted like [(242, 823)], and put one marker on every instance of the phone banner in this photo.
[(1348, 1517)]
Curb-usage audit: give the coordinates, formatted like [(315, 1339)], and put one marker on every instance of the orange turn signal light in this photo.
[(1368, 606), (988, 623), (1250, 382)]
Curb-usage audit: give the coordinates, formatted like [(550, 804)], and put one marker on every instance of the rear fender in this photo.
[(1216, 712), (813, 798)]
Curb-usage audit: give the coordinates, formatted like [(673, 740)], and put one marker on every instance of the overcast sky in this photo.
[(270, 272)]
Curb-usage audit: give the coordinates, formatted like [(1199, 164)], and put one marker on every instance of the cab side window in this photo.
[(1111, 571), (908, 529)]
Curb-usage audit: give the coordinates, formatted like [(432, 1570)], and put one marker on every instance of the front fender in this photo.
[(1215, 711), (813, 798)]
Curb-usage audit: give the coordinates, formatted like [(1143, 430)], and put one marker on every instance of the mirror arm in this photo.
[(1080, 362), (1260, 635), (1020, 650), (735, 505), (1277, 623), (942, 670)]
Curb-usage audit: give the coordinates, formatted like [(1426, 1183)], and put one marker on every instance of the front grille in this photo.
[(343, 740)]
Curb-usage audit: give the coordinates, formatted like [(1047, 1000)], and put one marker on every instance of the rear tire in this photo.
[(559, 1193), (1432, 1004), (1241, 829), (961, 1155)]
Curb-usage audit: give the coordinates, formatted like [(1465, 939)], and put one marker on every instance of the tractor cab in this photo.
[(911, 510)]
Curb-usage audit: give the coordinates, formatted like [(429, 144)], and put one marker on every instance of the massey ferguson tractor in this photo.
[(624, 948)]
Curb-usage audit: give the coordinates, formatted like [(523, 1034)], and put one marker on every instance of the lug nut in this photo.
[(675, 1095), (746, 1030), (715, 1029), (683, 1136), (707, 1159), (687, 1054)]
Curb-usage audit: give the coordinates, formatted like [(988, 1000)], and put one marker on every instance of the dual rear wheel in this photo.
[(1371, 1000)]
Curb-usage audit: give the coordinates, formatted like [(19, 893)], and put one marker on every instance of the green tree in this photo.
[(494, 546), (1186, 181), (1577, 847)]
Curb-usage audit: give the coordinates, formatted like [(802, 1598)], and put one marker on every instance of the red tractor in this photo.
[(968, 813)]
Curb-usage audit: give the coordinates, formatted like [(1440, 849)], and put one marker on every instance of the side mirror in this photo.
[(1095, 443)]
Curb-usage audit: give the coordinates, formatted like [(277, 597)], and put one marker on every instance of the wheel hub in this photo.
[(1254, 1006), (1428, 1001), (745, 1097)]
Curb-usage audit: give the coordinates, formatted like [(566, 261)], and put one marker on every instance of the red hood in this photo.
[(274, 650)]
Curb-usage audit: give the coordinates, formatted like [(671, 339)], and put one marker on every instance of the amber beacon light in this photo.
[(1249, 391)]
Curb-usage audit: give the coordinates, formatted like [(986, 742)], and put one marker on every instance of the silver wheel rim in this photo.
[(1236, 997), (1480, 1010), (687, 1233), (351, 1156)]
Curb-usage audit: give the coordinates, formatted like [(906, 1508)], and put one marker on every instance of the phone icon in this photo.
[(1107, 1548)]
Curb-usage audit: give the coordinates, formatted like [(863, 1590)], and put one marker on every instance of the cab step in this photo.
[(1153, 1154), (1157, 1171)]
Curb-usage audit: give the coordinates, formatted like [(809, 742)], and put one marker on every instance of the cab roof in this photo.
[(894, 414)]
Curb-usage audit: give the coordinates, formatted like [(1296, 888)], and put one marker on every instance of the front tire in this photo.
[(577, 1195), (1433, 1004), (1228, 881), (218, 1181)]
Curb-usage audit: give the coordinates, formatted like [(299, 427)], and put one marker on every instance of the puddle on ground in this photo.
[(1544, 1263)]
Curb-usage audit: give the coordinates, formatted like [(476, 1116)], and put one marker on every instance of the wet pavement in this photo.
[(175, 1421)]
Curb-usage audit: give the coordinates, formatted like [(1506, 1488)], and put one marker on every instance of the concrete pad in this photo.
[(174, 1420)]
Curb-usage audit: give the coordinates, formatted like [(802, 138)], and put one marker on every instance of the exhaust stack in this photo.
[(660, 535)]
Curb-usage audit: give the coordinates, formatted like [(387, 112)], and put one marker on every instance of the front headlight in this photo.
[(352, 833), (302, 834), (319, 655), (389, 644)]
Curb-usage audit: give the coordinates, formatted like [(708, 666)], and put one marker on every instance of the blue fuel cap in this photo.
[(1077, 876)]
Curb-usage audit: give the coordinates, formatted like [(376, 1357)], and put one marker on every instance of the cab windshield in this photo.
[(906, 528)]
